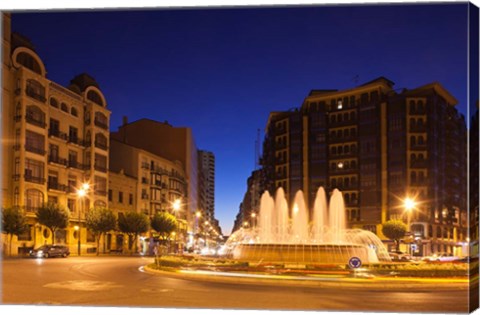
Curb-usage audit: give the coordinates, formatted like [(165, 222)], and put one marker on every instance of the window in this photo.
[(110, 195), (101, 120), (73, 134), (71, 205), (53, 102), (95, 97), (130, 199), (35, 90), (33, 200), (100, 184), (34, 171), (120, 197), (54, 127), (64, 107), (72, 183), (35, 116), (100, 162), (72, 158), (27, 60), (101, 141), (53, 156)]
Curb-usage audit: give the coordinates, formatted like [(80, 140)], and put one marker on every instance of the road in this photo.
[(119, 281)]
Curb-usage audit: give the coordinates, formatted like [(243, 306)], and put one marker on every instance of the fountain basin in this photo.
[(304, 253)]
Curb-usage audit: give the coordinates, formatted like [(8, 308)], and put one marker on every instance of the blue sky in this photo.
[(221, 71)]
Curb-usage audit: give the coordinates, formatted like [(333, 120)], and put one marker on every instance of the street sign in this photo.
[(354, 263)]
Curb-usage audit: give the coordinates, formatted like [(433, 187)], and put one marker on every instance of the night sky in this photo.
[(222, 71)]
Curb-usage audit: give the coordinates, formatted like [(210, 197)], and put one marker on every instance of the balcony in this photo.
[(75, 164), (76, 141), (100, 192), (57, 160), (418, 147), (33, 149), (52, 185), (418, 164), (34, 179), (100, 168), (343, 171), (101, 145), (418, 128), (342, 123), (57, 134), (34, 94), (100, 124), (145, 166), (145, 196), (35, 121)]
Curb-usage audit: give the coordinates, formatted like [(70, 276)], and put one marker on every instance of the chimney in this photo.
[(125, 120)]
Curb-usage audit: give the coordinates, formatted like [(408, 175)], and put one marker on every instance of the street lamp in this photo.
[(253, 215), (176, 205), (409, 205), (81, 193)]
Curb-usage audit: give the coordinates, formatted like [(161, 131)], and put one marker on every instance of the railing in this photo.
[(64, 90), (76, 141), (35, 121), (144, 196), (100, 192), (418, 128), (341, 171), (75, 164), (100, 168), (418, 147), (31, 148), (101, 145), (57, 160), (31, 209), (56, 186), (34, 179), (101, 124), (418, 164), (145, 166), (57, 134), (342, 139), (342, 123)]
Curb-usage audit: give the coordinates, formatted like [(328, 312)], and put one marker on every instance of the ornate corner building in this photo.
[(54, 138)]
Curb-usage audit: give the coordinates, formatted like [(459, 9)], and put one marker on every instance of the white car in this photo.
[(442, 257)]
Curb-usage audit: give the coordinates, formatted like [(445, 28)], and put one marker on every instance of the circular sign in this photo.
[(354, 262)]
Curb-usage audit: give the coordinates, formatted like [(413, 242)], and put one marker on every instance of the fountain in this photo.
[(300, 236)]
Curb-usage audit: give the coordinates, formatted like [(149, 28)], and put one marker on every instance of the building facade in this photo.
[(206, 171), (56, 139), (378, 146)]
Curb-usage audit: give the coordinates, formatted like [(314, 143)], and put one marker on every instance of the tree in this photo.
[(164, 223), (14, 222), (53, 216), (132, 224), (394, 230), (100, 220)]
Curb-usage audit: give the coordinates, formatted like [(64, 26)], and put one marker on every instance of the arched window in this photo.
[(101, 120), (353, 116), (346, 149), (346, 133), (347, 198), (421, 178), (421, 107), (53, 102), (340, 150), (413, 140), (94, 97), (74, 111), (413, 157), (64, 107), (421, 140), (33, 199), (35, 90), (29, 62), (412, 107), (334, 150), (99, 204), (101, 141), (412, 122), (35, 115), (345, 117), (353, 148)]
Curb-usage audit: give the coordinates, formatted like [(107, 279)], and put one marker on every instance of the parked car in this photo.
[(400, 256), (442, 257), (47, 251)]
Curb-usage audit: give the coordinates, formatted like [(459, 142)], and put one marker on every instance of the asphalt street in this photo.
[(120, 281)]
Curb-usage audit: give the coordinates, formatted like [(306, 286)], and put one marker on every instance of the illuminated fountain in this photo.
[(303, 236)]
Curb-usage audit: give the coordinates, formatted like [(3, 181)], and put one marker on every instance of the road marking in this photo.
[(83, 285)]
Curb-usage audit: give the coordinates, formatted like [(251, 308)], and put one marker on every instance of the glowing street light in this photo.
[(176, 205)]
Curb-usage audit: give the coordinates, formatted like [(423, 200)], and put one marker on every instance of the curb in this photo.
[(347, 283)]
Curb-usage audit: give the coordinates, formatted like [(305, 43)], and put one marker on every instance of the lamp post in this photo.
[(81, 193), (409, 205)]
